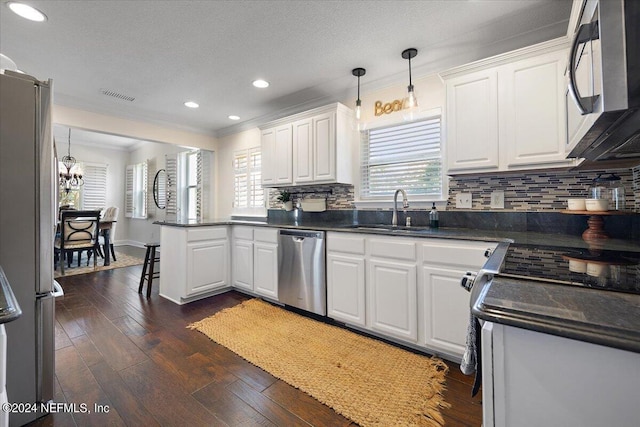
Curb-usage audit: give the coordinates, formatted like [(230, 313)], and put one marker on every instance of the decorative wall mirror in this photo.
[(160, 189)]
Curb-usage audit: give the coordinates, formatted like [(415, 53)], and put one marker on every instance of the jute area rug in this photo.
[(365, 380), (123, 260)]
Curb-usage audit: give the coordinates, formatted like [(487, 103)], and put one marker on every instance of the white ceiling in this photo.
[(166, 52)]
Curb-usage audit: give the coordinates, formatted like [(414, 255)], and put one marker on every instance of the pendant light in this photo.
[(413, 101), (71, 179), (358, 72)]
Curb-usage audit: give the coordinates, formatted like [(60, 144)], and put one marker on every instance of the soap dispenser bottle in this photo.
[(433, 217)]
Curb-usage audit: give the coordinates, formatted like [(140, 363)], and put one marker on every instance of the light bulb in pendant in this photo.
[(358, 72)]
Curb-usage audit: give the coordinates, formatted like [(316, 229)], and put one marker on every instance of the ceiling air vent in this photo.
[(115, 94)]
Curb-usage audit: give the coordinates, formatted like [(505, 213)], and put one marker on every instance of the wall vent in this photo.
[(115, 94)]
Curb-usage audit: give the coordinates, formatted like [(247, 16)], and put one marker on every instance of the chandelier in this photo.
[(72, 178)]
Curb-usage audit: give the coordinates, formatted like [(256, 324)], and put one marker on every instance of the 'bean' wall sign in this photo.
[(391, 107)]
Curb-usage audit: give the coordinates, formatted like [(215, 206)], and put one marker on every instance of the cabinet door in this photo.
[(283, 155), (391, 288), (207, 266), (303, 151), (472, 121), (268, 147), (324, 136), (265, 269), (445, 306), (532, 114), (242, 262), (345, 288)]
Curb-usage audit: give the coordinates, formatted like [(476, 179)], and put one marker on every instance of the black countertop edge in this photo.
[(9, 307), (562, 328), (526, 238)]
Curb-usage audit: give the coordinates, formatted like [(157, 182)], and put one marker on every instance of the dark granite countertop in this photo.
[(520, 237), (591, 315), (9, 308), (601, 317)]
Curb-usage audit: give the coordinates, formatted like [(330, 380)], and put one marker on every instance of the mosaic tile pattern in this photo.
[(341, 197), (542, 191), (531, 191)]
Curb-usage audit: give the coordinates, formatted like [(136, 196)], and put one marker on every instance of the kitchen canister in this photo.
[(608, 186)]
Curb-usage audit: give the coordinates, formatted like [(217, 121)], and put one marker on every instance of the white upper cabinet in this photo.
[(472, 121), (532, 117), (321, 145), (277, 152), (508, 112)]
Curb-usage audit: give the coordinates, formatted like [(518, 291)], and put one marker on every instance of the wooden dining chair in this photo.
[(110, 214), (79, 231)]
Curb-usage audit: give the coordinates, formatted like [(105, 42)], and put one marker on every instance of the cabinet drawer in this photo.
[(460, 253), (268, 235), (393, 248), (241, 232), (206, 233), (346, 244)]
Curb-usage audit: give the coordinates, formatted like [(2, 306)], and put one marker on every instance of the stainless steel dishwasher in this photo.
[(301, 270)]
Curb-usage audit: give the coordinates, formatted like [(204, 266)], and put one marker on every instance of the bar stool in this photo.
[(150, 259)]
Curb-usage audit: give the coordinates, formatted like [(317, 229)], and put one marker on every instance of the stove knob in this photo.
[(488, 252), (467, 280)]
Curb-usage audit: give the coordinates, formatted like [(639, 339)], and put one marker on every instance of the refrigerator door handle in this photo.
[(45, 348)]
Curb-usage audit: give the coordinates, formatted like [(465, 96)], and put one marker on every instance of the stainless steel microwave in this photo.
[(603, 95)]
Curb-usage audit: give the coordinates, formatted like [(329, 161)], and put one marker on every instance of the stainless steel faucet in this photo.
[(405, 204)]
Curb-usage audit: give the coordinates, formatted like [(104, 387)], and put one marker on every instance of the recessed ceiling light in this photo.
[(27, 12), (261, 83), (234, 117), (191, 104)]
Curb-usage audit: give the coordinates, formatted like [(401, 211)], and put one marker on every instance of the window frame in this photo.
[(253, 183), (415, 201), (136, 178)]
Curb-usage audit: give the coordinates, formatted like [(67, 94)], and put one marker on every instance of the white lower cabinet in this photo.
[(207, 266), (533, 379), (445, 308), (194, 262), (242, 262), (255, 260), (345, 290), (392, 299), (403, 288), (265, 269)]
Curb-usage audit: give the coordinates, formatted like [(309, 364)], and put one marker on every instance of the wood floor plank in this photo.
[(61, 339), (169, 403), (304, 406), (81, 388), (231, 409), (87, 350), (267, 407), (124, 400), (66, 320)]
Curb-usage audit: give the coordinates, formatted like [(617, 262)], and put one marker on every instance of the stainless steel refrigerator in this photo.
[(27, 214)]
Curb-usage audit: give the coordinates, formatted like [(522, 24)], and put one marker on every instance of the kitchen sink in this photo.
[(384, 227)]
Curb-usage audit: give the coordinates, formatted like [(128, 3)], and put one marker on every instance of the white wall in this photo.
[(116, 161)]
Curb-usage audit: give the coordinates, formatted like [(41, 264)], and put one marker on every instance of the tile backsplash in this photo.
[(523, 191)]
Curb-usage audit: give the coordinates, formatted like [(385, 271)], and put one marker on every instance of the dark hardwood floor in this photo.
[(134, 356)]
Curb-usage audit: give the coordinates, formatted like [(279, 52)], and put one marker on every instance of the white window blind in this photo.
[(94, 190), (171, 165), (404, 156), (136, 191), (247, 168)]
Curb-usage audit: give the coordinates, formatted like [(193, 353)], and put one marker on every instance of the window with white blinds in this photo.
[(247, 189), (136, 190), (94, 190), (407, 156)]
